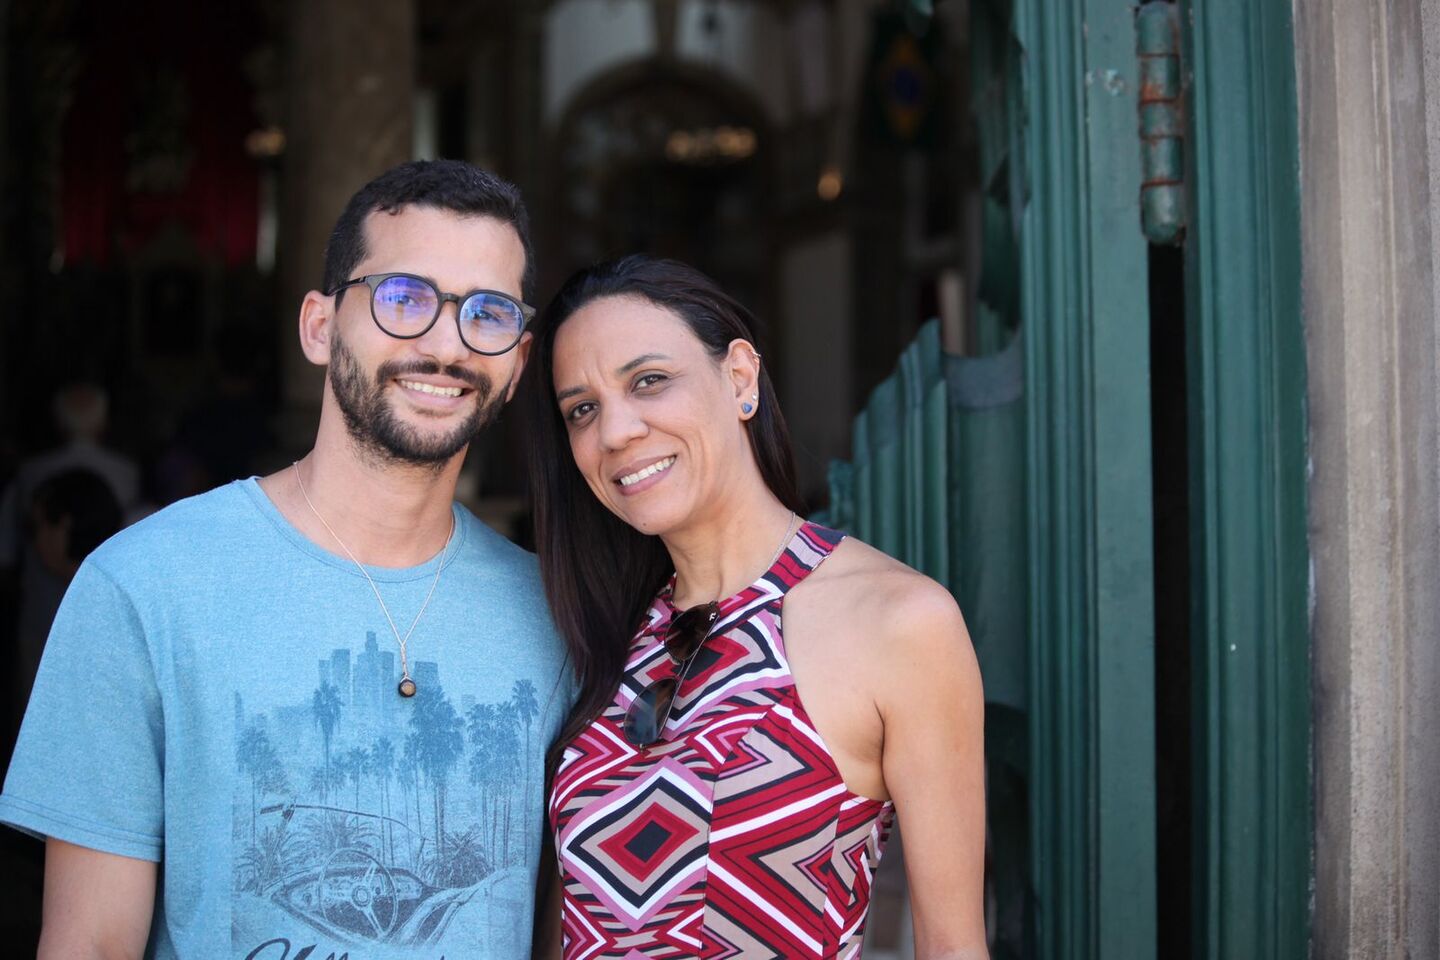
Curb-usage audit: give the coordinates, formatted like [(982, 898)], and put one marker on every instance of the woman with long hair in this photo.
[(727, 780)]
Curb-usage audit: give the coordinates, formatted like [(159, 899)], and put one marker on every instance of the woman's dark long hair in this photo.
[(600, 573)]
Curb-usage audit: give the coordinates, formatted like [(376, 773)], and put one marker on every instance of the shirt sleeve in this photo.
[(89, 765)]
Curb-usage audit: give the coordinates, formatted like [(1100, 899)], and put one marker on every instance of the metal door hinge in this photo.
[(1162, 123)]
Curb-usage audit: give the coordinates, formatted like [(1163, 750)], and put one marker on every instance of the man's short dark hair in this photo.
[(452, 185)]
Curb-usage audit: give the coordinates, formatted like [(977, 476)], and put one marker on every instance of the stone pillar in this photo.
[(1369, 91), (350, 75), (8, 261)]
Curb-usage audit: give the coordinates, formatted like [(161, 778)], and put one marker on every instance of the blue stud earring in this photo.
[(746, 408)]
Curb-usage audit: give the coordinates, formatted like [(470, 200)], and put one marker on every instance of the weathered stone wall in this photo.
[(1369, 89)]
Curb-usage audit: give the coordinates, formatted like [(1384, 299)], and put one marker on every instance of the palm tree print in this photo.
[(464, 863), (323, 833), (322, 781), (494, 747), (309, 814), (440, 743), (409, 768), (255, 755), (357, 768), (267, 859), (522, 696), (382, 766), (325, 706)]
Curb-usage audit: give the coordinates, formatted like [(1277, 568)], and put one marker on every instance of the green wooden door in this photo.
[(1091, 615), (1091, 619), (1033, 502), (1249, 556)]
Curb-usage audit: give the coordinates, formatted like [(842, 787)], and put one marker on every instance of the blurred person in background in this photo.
[(71, 513), (82, 416), (82, 412)]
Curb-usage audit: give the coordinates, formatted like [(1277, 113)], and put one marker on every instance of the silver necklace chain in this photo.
[(791, 525), (784, 541), (407, 685)]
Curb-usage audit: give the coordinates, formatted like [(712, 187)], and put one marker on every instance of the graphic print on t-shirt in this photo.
[(364, 819)]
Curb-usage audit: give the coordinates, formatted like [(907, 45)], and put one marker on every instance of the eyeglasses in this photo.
[(406, 306), (645, 720)]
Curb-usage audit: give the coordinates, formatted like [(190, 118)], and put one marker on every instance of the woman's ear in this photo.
[(317, 322), (742, 364)]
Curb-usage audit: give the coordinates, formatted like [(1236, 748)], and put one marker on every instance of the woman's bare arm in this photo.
[(932, 706)]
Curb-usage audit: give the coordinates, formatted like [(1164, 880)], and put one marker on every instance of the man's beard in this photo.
[(372, 422)]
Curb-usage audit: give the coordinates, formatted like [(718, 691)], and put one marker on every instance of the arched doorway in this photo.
[(663, 159)]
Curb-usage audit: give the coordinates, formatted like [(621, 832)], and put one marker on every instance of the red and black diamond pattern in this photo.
[(734, 836)]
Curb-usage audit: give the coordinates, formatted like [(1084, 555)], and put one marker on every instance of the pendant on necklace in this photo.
[(407, 687)]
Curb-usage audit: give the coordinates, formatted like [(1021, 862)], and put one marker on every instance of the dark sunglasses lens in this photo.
[(648, 712), (404, 306), (688, 630), (491, 323)]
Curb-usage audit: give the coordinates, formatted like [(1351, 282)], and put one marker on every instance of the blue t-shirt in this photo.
[(219, 693)]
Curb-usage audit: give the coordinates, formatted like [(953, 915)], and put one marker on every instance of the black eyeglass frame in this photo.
[(373, 281), (704, 616)]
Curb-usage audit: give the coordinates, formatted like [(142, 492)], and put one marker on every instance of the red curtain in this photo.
[(160, 89)]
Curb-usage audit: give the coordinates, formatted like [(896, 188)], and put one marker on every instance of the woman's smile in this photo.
[(643, 478)]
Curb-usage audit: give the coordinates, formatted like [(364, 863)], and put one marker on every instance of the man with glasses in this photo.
[(305, 715)]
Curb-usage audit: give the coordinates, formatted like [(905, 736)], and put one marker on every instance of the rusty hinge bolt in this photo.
[(1162, 123)]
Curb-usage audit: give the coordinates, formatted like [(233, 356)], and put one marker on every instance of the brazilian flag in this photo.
[(903, 82)]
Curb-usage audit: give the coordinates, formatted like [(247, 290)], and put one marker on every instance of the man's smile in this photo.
[(432, 389)]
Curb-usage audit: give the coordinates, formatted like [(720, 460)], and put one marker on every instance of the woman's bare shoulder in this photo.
[(879, 594), (899, 630)]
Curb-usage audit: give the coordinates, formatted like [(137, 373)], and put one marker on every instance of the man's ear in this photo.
[(317, 326), (522, 355)]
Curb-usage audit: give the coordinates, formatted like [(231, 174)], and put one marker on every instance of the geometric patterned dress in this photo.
[(733, 835)]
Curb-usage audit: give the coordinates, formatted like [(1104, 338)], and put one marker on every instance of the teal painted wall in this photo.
[(1249, 555)]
